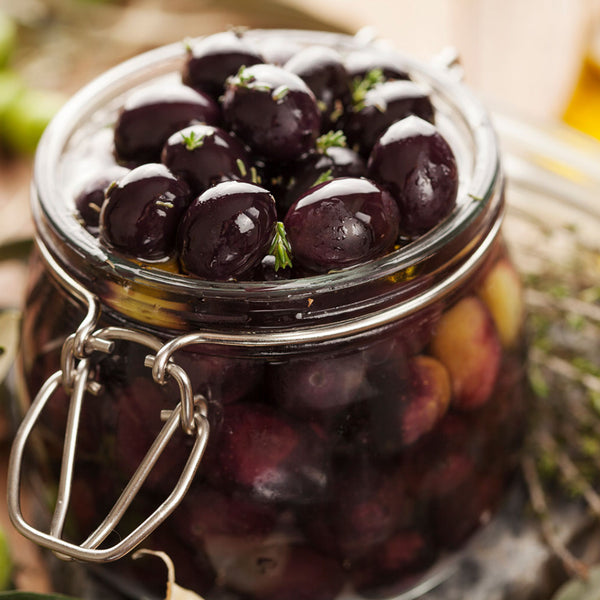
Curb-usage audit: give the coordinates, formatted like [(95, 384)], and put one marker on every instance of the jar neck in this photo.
[(157, 299), (352, 302)]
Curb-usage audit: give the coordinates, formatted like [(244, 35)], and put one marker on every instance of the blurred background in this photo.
[(538, 60)]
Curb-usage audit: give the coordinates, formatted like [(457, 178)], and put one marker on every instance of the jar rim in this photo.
[(49, 202)]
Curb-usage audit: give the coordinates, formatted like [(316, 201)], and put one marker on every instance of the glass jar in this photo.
[(360, 424)]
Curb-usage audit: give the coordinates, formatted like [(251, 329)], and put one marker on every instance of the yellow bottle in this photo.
[(583, 109)]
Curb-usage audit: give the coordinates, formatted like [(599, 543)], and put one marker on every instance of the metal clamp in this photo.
[(75, 378)]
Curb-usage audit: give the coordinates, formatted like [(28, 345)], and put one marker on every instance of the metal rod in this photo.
[(16, 455), (70, 443), (135, 483)]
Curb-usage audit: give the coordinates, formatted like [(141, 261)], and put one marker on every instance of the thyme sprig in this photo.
[(331, 139), (280, 248), (360, 87), (562, 454)]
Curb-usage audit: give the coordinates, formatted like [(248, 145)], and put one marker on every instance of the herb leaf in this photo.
[(241, 167), (323, 177), (280, 92), (242, 79), (280, 248), (360, 87), (331, 139), (193, 140)]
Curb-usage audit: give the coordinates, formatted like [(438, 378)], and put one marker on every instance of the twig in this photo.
[(538, 501), (537, 299), (564, 368), (570, 471)]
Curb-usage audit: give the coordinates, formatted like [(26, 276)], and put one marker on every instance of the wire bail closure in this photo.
[(74, 376)]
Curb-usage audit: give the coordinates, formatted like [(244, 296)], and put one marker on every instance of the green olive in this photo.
[(11, 87), (26, 118), (8, 39)]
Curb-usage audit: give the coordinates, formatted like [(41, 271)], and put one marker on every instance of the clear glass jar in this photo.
[(362, 423)]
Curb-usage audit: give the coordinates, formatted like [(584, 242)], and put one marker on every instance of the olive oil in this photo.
[(583, 110)]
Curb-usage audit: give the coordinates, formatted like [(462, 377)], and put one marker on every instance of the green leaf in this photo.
[(538, 382), (241, 167), (280, 248), (6, 564), (360, 87), (254, 176), (193, 140), (331, 139), (585, 365), (242, 79), (323, 177), (8, 39), (280, 92), (578, 589), (474, 197)]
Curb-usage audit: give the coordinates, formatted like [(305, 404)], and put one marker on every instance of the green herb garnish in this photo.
[(280, 248), (193, 140), (243, 79), (331, 139), (111, 187), (241, 167), (280, 92), (360, 87), (254, 176), (323, 177)]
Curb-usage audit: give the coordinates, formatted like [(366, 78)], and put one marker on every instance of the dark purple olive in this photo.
[(142, 211), (273, 111), (317, 167), (367, 504), (90, 198), (340, 223), (204, 155), (212, 59), (227, 230), (316, 387), (455, 516), (361, 62), (413, 399), (416, 164), (277, 50), (150, 115), (323, 70), (269, 456), (390, 568), (222, 379), (383, 105), (138, 422), (206, 512)]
